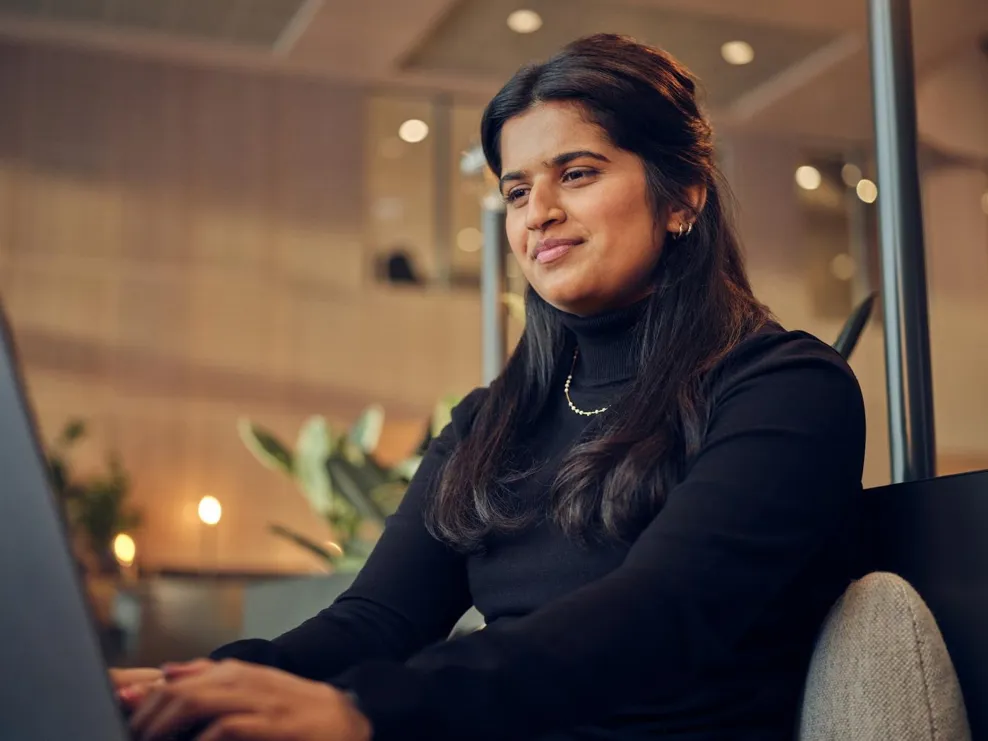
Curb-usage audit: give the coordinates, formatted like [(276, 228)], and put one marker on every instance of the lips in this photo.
[(549, 250)]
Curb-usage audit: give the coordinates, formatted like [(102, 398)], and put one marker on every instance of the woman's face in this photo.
[(578, 215)]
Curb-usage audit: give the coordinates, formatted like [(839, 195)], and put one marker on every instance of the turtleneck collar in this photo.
[(608, 343)]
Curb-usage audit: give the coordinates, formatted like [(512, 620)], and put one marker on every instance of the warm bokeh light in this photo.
[(210, 510), (413, 131), (843, 266), (808, 177), (470, 239), (124, 549), (737, 52), (851, 175), (524, 21), (867, 191)]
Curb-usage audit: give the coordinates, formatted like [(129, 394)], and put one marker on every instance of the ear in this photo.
[(680, 218)]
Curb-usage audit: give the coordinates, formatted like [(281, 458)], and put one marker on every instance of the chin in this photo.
[(566, 298), (569, 288)]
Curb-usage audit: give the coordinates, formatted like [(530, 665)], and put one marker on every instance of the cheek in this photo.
[(625, 220)]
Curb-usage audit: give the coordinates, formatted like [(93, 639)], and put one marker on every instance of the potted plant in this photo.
[(96, 509), (342, 479)]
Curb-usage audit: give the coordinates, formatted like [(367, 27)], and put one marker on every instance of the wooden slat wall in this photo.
[(179, 247)]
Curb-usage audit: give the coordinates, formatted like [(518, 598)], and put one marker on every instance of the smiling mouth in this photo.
[(552, 250)]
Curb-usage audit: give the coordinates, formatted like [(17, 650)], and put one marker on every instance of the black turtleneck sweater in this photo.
[(701, 629)]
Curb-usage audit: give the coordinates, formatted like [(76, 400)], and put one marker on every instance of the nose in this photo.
[(542, 209)]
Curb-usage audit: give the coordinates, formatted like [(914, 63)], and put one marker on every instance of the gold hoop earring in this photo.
[(679, 234), (689, 228)]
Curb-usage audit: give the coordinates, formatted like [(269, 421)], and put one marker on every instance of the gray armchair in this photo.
[(881, 671)]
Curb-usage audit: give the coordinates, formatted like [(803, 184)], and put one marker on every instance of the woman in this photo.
[(648, 504)]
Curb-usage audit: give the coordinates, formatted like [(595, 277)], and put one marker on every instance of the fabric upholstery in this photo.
[(880, 670)]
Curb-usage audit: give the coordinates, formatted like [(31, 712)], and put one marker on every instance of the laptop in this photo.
[(55, 684)]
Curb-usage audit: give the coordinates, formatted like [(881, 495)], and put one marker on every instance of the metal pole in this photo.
[(491, 288), (907, 340)]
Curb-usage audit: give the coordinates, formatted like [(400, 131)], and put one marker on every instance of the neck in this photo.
[(608, 343)]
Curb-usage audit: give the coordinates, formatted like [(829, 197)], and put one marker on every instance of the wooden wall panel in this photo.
[(179, 247)]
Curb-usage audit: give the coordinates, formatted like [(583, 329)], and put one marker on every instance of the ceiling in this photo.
[(258, 23), (810, 76)]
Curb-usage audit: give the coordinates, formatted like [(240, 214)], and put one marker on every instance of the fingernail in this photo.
[(127, 694)]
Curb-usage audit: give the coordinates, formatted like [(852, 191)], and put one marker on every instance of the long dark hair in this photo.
[(701, 307)]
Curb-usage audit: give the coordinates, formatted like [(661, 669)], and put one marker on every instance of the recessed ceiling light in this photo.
[(808, 177), (867, 191), (737, 52), (413, 131), (851, 175), (524, 21)]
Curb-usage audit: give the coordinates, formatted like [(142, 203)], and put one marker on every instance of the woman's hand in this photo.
[(132, 685), (234, 701)]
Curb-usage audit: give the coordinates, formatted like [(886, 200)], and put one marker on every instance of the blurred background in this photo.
[(242, 260)]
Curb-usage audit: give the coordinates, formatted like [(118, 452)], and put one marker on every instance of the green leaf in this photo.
[(313, 448), (388, 496), (442, 413), (406, 469), (355, 484), (308, 544), (58, 474), (365, 433), (265, 446), (74, 430)]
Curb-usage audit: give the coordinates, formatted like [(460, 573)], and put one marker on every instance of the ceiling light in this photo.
[(470, 239), (524, 21), (413, 131), (808, 177), (867, 191), (851, 175), (737, 52)]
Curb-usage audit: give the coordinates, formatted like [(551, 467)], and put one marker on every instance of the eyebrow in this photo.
[(558, 161)]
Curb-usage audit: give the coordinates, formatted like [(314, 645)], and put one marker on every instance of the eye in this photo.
[(579, 174), (515, 194)]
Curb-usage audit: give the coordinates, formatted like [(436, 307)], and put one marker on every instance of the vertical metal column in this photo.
[(907, 340), (491, 288)]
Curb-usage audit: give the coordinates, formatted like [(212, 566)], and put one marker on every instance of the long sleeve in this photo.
[(775, 481), (410, 593)]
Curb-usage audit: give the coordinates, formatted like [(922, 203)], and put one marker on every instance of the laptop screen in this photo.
[(55, 685)]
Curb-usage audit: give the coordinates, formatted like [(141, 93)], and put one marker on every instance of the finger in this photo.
[(123, 677), (185, 702), (132, 695), (186, 668), (237, 728)]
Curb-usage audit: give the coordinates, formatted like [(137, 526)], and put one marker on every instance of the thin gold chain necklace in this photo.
[(569, 380)]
